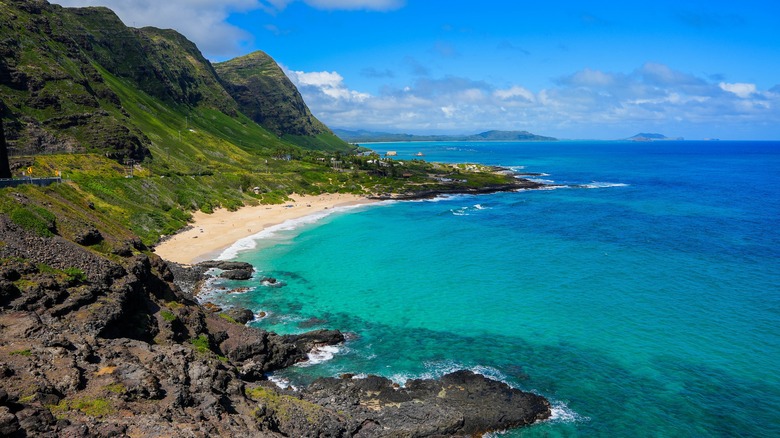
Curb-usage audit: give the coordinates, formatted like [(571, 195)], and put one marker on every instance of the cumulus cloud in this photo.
[(742, 90), (205, 21), (588, 103), (202, 21), (515, 93), (329, 84)]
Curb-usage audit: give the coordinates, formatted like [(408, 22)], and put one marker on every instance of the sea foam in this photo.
[(250, 242), (602, 185), (319, 355)]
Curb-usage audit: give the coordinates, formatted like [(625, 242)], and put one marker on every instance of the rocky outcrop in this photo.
[(236, 274), (517, 184), (459, 404), (240, 315), (120, 350)]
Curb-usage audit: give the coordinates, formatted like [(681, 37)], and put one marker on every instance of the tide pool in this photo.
[(642, 297)]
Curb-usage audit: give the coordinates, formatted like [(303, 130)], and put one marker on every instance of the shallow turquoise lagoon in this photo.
[(642, 297)]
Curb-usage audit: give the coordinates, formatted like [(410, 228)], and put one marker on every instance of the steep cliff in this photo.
[(267, 96)]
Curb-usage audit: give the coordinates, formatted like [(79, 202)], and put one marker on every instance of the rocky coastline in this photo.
[(98, 346), (517, 184)]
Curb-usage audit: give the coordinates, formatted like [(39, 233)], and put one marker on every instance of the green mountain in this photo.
[(265, 94), (63, 71), (370, 136), (145, 130)]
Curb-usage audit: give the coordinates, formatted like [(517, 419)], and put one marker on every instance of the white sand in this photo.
[(212, 233)]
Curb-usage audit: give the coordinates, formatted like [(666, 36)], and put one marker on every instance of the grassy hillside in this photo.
[(144, 132)]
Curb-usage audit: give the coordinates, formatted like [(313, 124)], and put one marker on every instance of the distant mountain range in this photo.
[(363, 136), (648, 136)]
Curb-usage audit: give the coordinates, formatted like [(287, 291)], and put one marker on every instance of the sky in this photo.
[(567, 69)]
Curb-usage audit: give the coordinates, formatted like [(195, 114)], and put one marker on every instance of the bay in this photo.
[(641, 296)]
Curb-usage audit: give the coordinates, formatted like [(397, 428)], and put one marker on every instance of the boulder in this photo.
[(237, 274), (240, 314), (88, 236)]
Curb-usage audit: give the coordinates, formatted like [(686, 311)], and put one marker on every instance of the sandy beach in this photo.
[(212, 233)]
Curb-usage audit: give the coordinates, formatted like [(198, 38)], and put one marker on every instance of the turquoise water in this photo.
[(642, 300)]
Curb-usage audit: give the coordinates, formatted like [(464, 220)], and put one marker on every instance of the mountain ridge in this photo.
[(492, 135), (54, 78)]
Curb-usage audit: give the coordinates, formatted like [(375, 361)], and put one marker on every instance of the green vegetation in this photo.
[(167, 316), (93, 407), (228, 318), (75, 275), (36, 219), (115, 388), (146, 131), (24, 352), (201, 344), (285, 406)]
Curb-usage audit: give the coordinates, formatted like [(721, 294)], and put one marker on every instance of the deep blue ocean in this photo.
[(642, 297)]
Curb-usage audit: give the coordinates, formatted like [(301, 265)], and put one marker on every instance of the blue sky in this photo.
[(570, 69)]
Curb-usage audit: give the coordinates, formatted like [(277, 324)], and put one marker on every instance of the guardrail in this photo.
[(43, 182)]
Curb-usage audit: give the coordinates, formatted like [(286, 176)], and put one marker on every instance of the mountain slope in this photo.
[(144, 130), (56, 99), (267, 96), (63, 71)]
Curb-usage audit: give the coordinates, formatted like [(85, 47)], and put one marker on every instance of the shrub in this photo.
[(75, 275), (36, 219), (167, 316), (201, 343)]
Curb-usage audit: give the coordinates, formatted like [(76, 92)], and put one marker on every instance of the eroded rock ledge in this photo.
[(95, 346)]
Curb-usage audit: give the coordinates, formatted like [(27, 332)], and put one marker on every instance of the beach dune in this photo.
[(210, 234)]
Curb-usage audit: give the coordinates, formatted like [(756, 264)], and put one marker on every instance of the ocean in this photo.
[(641, 295)]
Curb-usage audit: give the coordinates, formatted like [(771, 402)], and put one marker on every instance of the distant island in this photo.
[(363, 136), (647, 136)]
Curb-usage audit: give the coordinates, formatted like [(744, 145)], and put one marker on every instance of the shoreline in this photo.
[(208, 235)]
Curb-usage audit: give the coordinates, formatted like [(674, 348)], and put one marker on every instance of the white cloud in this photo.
[(588, 103), (202, 21), (514, 93), (205, 21), (448, 111), (590, 78), (742, 90), (330, 84)]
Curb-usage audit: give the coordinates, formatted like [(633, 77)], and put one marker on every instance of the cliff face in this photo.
[(56, 97), (85, 340), (267, 96), (54, 74)]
